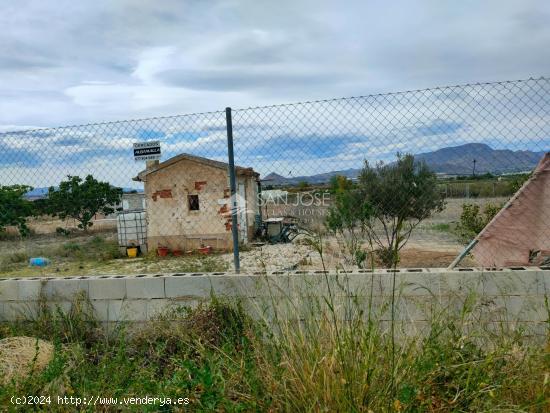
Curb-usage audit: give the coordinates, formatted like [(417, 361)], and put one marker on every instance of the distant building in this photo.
[(133, 201), (187, 200)]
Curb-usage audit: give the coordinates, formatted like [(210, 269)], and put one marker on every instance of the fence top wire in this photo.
[(321, 162), (281, 105), (403, 92), (111, 123)]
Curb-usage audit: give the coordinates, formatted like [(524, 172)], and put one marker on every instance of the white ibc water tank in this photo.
[(132, 229)]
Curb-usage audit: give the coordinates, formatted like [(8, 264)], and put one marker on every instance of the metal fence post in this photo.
[(233, 187)]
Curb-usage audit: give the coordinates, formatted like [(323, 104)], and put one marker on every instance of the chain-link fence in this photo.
[(407, 179)]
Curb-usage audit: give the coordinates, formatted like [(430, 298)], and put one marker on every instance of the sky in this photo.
[(80, 62)]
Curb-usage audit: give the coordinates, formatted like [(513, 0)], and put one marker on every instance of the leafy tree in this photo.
[(302, 185), (339, 183), (402, 194), (14, 209), (389, 202), (472, 221), (82, 199), (350, 218), (518, 181), (40, 207)]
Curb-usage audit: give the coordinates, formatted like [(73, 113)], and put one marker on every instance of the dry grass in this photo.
[(21, 356), (223, 360)]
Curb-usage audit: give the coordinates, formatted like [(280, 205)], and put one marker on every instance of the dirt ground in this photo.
[(429, 246), (285, 257)]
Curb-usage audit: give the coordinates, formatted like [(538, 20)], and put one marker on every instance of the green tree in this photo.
[(349, 217), (339, 183), (14, 209), (303, 185), (402, 194), (82, 199), (472, 221), (40, 207), (388, 204)]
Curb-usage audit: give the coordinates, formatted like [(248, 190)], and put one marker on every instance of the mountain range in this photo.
[(456, 160)]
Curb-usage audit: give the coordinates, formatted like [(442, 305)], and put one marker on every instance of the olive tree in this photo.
[(82, 199), (349, 217), (389, 202)]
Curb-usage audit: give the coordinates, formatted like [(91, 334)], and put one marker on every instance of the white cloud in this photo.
[(68, 62)]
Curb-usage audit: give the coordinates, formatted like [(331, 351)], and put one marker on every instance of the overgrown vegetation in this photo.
[(223, 360), (100, 254), (473, 219)]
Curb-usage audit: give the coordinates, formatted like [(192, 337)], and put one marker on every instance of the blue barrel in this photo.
[(39, 262)]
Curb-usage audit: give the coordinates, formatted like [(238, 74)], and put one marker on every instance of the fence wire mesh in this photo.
[(406, 179)]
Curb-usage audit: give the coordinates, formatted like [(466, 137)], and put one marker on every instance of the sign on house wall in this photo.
[(147, 151)]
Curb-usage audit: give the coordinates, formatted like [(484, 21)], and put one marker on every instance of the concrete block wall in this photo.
[(506, 296)]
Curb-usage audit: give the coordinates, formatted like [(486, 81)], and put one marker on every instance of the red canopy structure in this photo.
[(520, 233)]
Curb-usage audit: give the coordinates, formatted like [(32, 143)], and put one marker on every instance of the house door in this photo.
[(241, 208)]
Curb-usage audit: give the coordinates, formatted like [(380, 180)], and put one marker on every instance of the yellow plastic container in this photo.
[(132, 252)]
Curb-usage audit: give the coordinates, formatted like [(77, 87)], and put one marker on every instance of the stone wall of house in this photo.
[(170, 221)]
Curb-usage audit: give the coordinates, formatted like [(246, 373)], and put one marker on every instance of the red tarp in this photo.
[(522, 228)]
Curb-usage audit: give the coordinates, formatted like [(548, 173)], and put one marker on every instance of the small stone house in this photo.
[(187, 201)]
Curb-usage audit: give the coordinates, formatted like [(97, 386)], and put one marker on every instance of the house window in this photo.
[(193, 202)]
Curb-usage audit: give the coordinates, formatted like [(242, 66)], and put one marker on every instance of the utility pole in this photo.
[(474, 169)]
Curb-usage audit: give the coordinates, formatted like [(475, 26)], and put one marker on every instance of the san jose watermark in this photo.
[(306, 207)]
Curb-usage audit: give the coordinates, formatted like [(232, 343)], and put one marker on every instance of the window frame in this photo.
[(193, 199)]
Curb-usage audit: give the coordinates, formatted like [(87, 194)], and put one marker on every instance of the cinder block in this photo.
[(159, 307), (63, 306), (419, 284), (504, 283), (133, 310), (9, 290), (182, 303), (18, 310), (62, 289), (523, 308), (146, 287), (30, 289), (544, 282), (101, 309), (107, 288), (113, 310), (270, 286), (460, 283), (202, 286), (177, 287)]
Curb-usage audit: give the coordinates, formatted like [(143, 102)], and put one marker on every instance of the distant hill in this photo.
[(276, 179), (457, 160), (37, 193)]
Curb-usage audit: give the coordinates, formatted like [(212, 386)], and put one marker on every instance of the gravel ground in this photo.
[(272, 257)]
